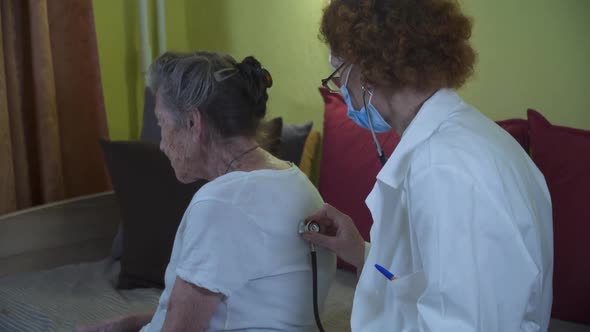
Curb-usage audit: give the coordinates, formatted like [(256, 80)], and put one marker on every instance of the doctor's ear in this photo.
[(334, 61)]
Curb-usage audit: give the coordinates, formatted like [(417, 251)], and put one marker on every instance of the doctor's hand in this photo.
[(339, 234)]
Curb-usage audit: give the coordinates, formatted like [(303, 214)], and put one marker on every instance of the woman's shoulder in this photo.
[(253, 180), (263, 191), (256, 187)]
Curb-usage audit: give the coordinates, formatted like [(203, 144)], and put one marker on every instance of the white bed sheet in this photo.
[(72, 295), (68, 296)]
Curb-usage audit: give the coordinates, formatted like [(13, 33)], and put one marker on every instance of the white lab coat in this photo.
[(462, 217)]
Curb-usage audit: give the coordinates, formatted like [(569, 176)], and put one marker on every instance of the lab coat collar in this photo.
[(430, 116)]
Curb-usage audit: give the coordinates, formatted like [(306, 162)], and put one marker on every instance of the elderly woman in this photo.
[(462, 216), (238, 263)]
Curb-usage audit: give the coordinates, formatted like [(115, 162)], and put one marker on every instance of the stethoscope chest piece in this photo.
[(311, 226)]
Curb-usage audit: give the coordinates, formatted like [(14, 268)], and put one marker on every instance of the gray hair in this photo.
[(186, 81), (231, 96)]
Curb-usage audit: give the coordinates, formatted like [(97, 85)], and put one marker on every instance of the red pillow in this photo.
[(349, 163), (519, 129), (563, 155)]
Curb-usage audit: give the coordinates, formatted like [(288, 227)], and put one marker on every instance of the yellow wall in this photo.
[(283, 35), (118, 46), (531, 54), (115, 47)]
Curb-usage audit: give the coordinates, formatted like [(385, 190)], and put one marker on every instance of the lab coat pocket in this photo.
[(408, 287), (401, 301)]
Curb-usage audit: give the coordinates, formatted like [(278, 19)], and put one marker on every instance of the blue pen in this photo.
[(386, 273)]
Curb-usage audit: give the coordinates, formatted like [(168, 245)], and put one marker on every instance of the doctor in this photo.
[(462, 216)]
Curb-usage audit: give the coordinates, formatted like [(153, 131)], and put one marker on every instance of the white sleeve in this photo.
[(478, 274), (367, 249), (221, 247), (366, 253)]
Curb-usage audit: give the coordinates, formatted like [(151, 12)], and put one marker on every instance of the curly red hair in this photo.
[(419, 44)]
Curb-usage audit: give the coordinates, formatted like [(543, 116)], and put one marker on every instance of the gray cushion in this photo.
[(293, 140), (150, 131), (152, 203)]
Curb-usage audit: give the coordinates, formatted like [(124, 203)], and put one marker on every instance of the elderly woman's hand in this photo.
[(339, 234), (120, 324), (113, 325)]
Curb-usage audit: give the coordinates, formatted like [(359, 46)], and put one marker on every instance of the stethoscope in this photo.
[(313, 226), (380, 153)]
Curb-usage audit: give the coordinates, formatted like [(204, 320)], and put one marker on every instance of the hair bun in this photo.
[(258, 79), (252, 69)]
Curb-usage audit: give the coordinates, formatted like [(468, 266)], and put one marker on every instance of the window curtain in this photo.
[(51, 103)]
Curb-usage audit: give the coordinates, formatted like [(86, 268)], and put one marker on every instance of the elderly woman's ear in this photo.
[(195, 123), (200, 130), (192, 121)]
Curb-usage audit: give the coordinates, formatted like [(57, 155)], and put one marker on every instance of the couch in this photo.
[(57, 267)]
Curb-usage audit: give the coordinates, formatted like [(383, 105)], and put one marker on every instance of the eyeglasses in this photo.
[(334, 81)]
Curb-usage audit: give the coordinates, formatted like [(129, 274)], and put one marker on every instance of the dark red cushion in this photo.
[(563, 156), (349, 163), (519, 129)]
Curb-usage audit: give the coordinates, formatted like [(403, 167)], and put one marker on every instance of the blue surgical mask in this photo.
[(362, 117)]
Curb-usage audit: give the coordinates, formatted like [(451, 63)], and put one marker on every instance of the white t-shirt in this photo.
[(239, 237)]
